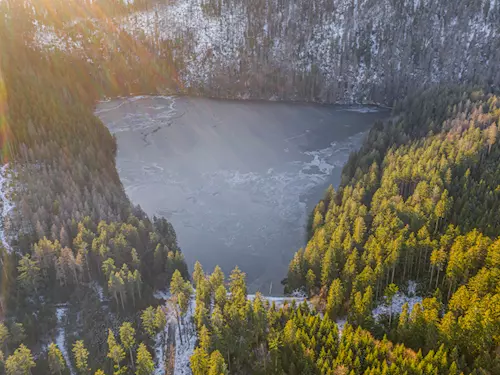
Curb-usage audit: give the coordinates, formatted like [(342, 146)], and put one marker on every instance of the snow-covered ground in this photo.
[(184, 350), (99, 291), (279, 301), (216, 41), (7, 204), (61, 338), (398, 301)]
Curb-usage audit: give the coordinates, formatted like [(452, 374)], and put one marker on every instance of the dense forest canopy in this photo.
[(417, 204)]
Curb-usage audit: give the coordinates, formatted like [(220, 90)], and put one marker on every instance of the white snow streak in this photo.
[(61, 339), (7, 205), (184, 350), (398, 301)]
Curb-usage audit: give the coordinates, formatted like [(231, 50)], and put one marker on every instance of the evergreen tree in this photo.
[(390, 292), (81, 355), (20, 362), (56, 359), (144, 361), (217, 365), (115, 350), (127, 337), (148, 321)]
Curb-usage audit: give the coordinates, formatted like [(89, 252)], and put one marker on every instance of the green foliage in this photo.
[(148, 321), (127, 337), (56, 360), (20, 362), (418, 201), (144, 361), (81, 355)]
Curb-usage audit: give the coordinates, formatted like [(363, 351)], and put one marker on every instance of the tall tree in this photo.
[(390, 292), (144, 361), (56, 359), (217, 365), (148, 321), (20, 362), (115, 350), (81, 355), (127, 337)]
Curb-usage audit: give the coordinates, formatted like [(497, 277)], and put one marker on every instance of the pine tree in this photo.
[(199, 361), (335, 299), (217, 365), (81, 355), (29, 273), (198, 273), (56, 359), (115, 350), (216, 279), (144, 361), (390, 292), (127, 337), (310, 281), (148, 321), (20, 362)]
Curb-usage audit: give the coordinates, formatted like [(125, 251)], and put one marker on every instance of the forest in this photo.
[(417, 204)]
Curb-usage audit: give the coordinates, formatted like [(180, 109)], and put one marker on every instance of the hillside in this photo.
[(320, 50), (418, 202)]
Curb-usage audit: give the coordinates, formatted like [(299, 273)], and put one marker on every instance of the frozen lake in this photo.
[(235, 178)]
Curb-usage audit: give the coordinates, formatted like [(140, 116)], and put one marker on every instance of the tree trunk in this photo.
[(131, 356), (179, 325), (121, 298)]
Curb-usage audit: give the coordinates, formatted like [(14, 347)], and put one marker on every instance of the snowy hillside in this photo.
[(322, 50)]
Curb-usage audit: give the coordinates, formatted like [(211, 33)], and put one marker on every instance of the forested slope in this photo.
[(78, 245), (320, 50), (419, 201)]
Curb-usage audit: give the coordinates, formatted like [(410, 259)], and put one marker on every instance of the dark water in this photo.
[(236, 179)]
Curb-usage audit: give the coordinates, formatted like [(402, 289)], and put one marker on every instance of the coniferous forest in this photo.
[(417, 206)]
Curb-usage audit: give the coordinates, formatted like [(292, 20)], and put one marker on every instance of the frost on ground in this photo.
[(215, 41), (61, 337), (340, 325), (99, 291), (183, 348), (7, 205), (398, 301), (279, 301)]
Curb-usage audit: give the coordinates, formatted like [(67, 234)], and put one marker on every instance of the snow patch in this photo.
[(184, 351), (7, 205), (61, 338), (99, 291), (398, 301), (278, 301), (340, 325)]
